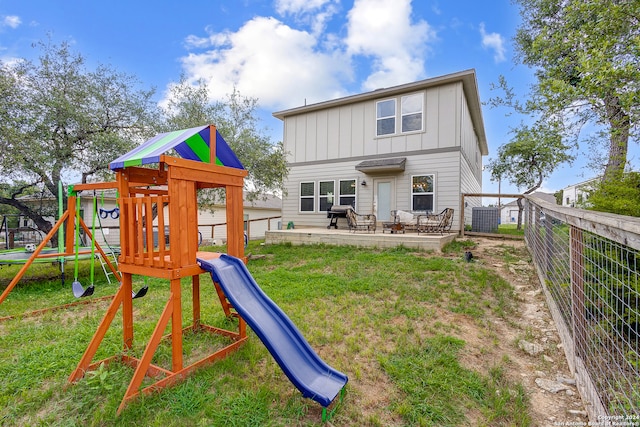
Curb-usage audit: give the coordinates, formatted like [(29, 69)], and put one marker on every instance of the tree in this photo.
[(62, 122), (531, 156), (620, 195), (189, 106), (586, 56)]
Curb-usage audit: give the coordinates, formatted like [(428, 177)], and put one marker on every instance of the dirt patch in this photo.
[(529, 337)]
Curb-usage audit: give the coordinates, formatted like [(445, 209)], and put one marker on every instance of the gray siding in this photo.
[(468, 184)]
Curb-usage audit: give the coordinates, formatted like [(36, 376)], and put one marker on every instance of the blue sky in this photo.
[(288, 52)]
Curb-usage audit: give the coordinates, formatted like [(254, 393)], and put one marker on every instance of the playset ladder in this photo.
[(114, 260)]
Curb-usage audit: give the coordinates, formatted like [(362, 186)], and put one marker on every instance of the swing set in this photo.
[(69, 243)]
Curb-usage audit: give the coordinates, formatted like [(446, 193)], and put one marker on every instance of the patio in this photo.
[(315, 235)]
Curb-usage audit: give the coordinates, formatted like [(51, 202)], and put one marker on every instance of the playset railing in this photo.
[(144, 246)]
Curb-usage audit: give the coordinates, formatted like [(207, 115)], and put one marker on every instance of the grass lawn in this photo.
[(390, 319), (511, 229)]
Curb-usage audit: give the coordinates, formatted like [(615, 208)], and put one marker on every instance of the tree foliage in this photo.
[(530, 157), (63, 122), (586, 56), (236, 119), (620, 195)]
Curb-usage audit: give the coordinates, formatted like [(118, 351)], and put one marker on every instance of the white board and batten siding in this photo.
[(326, 141), (349, 131)]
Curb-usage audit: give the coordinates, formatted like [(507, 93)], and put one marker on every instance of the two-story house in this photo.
[(413, 147)]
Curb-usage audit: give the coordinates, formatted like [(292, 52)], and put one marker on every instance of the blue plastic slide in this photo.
[(304, 368)]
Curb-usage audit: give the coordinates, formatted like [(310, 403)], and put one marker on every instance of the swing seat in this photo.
[(142, 292), (79, 291)]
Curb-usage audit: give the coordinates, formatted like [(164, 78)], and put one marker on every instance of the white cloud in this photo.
[(314, 14), (284, 7), (11, 21), (284, 65), (493, 41), (383, 30), (268, 60)]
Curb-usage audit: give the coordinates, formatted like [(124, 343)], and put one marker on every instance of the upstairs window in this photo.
[(412, 106), (410, 116), (386, 117), (307, 196)]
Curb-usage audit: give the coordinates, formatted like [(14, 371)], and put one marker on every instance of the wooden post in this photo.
[(462, 216), (127, 310), (98, 336), (176, 326), (235, 221), (578, 313), (195, 280), (212, 144)]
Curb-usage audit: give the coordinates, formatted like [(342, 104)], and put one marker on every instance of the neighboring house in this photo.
[(509, 211), (576, 195), (416, 146), (259, 216)]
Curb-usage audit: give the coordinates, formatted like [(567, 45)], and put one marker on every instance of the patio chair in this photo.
[(436, 223), (362, 222)]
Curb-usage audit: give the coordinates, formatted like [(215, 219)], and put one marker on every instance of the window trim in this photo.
[(395, 118), (354, 195), (402, 114), (433, 193), (399, 115), (326, 196), (301, 197)]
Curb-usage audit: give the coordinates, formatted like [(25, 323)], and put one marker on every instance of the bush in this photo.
[(619, 195)]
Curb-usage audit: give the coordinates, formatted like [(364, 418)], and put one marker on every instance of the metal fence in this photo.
[(589, 266)]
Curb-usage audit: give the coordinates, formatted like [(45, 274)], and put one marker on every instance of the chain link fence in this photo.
[(589, 265)]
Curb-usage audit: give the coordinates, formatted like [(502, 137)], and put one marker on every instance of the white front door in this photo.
[(384, 198)]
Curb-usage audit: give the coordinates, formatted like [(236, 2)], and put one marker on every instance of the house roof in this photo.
[(191, 144), (582, 183), (547, 197), (469, 84), (267, 201)]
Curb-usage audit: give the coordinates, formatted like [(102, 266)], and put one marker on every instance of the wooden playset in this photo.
[(206, 162), (158, 192)]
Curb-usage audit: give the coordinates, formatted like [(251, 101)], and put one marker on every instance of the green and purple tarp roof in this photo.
[(191, 144)]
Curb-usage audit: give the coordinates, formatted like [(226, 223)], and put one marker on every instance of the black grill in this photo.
[(335, 212)]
